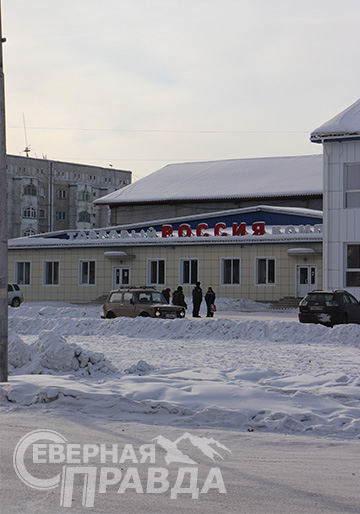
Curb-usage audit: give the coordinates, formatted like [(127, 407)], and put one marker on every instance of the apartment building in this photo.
[(47, 196)]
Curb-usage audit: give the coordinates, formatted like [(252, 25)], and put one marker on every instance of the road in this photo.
[(262, 474)]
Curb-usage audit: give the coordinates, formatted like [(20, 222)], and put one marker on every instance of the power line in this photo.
[(162, 131)]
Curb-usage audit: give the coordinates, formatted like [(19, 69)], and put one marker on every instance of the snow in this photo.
[(345, 123), (248, 368), (231, 178)]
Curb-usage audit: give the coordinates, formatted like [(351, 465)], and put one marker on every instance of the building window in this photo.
[(29, 212), (29, 232), (61, 194), (42, 213), (353, 265), (60, 215), (188, 271), (84, 216), (51, 273), (352, 186), (87, 273), (30, 189), (22, 273), (264, 271), (42, 192), (230, 272), (156, 272), (84, 196)]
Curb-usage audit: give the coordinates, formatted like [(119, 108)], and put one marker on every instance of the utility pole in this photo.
[(3, 226)]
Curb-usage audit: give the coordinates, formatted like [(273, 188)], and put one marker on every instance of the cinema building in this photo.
[(261, 229), (262, 253)]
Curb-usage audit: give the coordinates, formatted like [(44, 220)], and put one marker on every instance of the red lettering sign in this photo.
[(184, 230), (200, 228), (166, 230), (258, 228), (239, 230), (217, 229)]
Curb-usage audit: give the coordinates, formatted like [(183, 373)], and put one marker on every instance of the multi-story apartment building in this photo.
[(46, 196)]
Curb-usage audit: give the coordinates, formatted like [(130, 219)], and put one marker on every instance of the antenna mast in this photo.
[(27, 147)]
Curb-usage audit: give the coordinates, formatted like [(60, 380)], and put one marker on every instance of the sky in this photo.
[(138, 84)]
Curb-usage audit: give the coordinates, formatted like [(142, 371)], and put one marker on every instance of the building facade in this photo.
[(340, 138), (263, 254), (46, 196)]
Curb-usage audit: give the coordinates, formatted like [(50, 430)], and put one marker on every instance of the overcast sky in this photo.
[(139, 84)]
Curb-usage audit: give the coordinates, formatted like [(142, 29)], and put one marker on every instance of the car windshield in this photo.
[(150, 297), (320, 297)]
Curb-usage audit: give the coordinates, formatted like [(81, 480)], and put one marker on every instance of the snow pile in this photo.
[(19, 352), (141, 368), (217, 328), (238, 305), (51, 354)]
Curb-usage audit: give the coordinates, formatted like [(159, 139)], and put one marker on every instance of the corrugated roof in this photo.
[(227, 179)]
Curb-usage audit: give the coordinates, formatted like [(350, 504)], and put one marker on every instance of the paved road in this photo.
[(262, 474)]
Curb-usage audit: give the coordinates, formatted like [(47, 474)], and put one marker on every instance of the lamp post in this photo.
[(3, 226)]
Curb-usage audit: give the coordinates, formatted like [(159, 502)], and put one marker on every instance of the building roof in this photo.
[(283, 224), (345, 125), (226, 179)]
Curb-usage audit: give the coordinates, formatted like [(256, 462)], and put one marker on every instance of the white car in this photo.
[(15, 296)]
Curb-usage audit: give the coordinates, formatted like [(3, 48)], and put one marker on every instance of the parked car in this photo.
[(141, 301), (329, 308), (15, 296)]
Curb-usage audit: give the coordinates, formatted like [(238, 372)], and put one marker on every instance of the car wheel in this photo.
[(15, 302), (110, 315), (344, 319), (144, 315)]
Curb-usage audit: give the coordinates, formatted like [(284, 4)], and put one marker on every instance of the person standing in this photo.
[(179, 298), (166, 294), (197, 297), (210, 302)]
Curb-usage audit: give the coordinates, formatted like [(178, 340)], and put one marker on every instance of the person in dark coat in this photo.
[(179, 298), (166, 294), (197, 297), (210, 301)]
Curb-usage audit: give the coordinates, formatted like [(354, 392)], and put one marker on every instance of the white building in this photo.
[(340, 138)]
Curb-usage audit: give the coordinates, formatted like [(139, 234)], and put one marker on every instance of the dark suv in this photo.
[(140, 301), (329, 308)]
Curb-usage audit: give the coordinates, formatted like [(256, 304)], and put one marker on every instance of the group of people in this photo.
[(178, 298)]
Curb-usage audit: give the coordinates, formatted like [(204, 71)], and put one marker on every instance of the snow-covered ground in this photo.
[(246, 369)]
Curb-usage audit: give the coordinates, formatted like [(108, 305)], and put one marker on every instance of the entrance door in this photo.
[(121, 277), (306, 279)]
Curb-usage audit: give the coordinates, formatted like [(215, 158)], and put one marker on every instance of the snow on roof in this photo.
[(234, 178), (343, 126), (299, 211)]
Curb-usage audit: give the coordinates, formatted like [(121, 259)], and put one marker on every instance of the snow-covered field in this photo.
[(246, 369)]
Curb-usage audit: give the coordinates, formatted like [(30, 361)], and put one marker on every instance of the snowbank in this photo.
[(51, 354)]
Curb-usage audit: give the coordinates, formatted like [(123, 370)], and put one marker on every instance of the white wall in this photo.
[(341, 225)]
